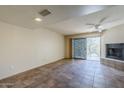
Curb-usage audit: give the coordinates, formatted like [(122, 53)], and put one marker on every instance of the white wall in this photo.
[(22, 49), (113, 35)]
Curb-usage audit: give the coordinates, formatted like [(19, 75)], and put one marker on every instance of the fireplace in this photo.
[(115, 51)]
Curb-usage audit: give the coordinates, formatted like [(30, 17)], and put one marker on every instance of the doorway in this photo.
[(86, 48)]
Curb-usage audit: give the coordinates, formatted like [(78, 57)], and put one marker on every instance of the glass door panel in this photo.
[(79, 48)]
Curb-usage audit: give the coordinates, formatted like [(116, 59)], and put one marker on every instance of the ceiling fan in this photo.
[(98, 27)]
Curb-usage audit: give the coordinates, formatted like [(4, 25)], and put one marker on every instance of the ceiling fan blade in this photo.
[(90, 24), (114, 20), (104, 30), (102, 20)]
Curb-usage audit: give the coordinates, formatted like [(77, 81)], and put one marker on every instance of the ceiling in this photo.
[(66, 19)]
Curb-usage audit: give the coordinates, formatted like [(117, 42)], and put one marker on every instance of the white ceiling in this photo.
[(67, 19)]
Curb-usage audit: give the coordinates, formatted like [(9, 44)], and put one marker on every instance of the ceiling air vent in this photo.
[(45, 12)]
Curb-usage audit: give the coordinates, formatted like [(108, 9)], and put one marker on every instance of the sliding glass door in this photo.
[(93, 48), (79, 48)]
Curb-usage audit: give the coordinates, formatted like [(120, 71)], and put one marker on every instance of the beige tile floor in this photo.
[(68, 73)]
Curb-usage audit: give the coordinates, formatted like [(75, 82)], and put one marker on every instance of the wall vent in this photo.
[(45, 12)]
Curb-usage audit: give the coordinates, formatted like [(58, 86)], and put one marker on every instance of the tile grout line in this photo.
[(93, 79)]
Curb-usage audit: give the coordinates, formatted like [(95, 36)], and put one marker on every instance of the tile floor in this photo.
[(68, 73)]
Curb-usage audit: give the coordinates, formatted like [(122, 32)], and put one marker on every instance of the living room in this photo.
[(46, 46)]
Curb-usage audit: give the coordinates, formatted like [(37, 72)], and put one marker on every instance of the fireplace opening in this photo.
[(115, 51)]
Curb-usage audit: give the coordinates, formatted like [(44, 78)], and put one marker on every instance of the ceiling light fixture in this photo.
[(38, 19)]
